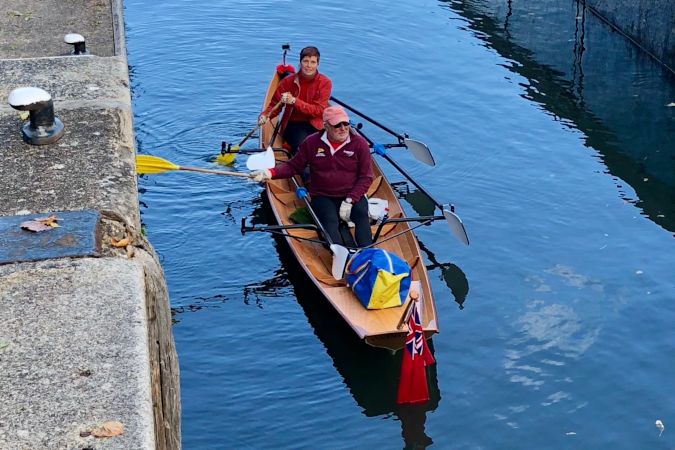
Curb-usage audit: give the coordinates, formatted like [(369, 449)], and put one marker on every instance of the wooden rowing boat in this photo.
[(379, 328)]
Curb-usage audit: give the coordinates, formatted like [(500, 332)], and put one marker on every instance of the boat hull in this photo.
[(379, 328)]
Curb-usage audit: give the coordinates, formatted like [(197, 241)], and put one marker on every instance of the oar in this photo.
[(250, 151), (279, 125), (419, 149), (250, 133), (261, 161), (148, 164), (226, 152), (454, 222), (340, 253)]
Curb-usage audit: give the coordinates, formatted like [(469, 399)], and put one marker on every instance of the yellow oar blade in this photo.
[(153, 164), (227, 158)]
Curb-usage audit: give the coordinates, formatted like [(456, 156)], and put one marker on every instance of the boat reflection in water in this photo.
[(371, 374)]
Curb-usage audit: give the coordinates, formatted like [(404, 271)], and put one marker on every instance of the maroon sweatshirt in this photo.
[(347, 173)]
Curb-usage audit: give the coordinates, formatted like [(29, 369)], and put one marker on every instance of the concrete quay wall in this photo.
[(85, 326), (649, 23)]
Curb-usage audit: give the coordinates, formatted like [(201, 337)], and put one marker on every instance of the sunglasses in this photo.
[(340, 125)]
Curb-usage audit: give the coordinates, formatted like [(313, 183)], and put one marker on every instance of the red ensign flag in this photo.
[(412, 387)]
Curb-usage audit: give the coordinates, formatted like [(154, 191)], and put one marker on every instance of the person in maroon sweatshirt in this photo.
[(305, 96), (341, 169)]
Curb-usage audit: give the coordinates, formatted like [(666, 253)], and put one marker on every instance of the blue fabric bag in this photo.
[(379, 279)]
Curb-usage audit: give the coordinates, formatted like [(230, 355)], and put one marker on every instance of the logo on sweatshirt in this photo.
[(349, 153), (320, 152)]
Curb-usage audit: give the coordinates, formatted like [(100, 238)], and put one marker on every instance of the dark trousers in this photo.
[(327, 209), (296, 132)]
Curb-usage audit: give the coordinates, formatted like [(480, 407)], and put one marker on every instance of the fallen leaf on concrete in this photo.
[(121, 243), (24, 115), (3, 345), (14, 13), (40, 224), (34, 225), (108, 429)]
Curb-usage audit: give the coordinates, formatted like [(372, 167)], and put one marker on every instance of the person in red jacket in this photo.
[(341, 169), (305, 96)]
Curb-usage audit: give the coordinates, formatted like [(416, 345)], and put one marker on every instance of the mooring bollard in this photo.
[(42, 128), (77, 41)]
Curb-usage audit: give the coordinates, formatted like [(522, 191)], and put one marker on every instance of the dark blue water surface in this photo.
[(554, 140)]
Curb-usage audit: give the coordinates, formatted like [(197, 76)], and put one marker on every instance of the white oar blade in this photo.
[(260, 161), (340, 255), (456, 226), (420, 151)]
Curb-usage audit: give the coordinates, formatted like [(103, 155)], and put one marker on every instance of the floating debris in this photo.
[(660, 426)]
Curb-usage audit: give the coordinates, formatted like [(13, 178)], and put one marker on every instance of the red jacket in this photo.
[(311, 98), (347, 173)]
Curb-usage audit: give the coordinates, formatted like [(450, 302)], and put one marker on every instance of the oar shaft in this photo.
[(250, 133), (279, 125), (215, 172), (369, 119), (409, 178), (318, 223), (403, 172)]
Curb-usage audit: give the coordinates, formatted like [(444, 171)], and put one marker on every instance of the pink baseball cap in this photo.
[(334, 115)]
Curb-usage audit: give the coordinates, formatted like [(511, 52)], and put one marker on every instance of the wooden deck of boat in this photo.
[(376, 327)]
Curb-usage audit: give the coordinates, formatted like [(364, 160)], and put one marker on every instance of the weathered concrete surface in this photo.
[(37, 28), (72, 81), (650, 23), (82, 340), (91, 166), (71, 355)]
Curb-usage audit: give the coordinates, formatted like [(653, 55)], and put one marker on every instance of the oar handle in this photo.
[(250, 133), (369, 119), (215, 172)]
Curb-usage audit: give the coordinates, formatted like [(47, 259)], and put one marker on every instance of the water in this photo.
[(553, 139)]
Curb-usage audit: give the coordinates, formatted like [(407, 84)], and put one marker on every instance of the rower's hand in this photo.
[(287, 98), (260, 176), (345, 211), (262, 120)]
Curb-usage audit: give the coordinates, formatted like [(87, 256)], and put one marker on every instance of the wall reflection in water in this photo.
[(594, 81)]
